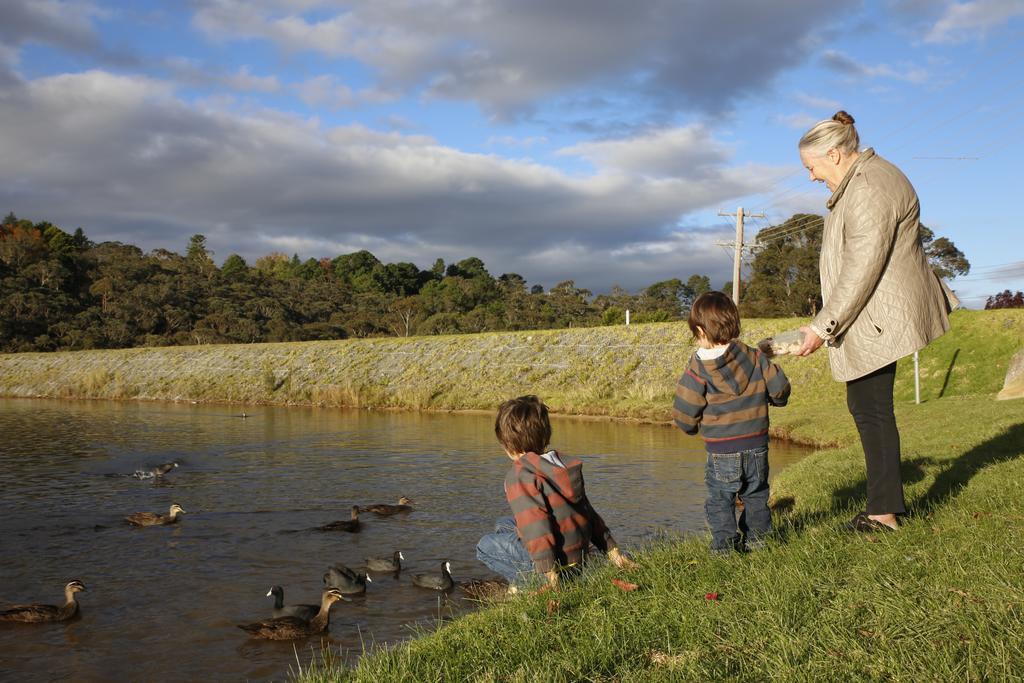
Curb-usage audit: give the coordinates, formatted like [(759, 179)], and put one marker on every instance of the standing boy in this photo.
[(554, 523), (725, 393)]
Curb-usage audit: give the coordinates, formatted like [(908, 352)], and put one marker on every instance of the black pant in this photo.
[(869, 399)]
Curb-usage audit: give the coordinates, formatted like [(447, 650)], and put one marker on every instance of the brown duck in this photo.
[(161, 470), (154, 519), (485, 590), (37, 613), (386, 510), (290, 628), (350, 525)]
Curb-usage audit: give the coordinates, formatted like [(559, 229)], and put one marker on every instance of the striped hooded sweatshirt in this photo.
[(553, 517), (727, 398)]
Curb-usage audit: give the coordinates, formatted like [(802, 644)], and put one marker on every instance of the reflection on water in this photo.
[(163, 602)]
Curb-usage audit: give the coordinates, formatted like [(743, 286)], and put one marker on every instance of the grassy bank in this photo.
[(941, 600), (615, 371)]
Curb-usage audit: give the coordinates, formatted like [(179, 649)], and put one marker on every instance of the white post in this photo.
[(627, 317), (917, 381), (737, 257)]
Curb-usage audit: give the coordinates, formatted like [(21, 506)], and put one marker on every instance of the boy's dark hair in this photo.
[(716, 314), (522, 425)]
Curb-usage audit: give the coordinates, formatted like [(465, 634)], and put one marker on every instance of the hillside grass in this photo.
[(941, 600), (623, 372)]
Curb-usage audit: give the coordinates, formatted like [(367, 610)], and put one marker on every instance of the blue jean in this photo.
[(504, 553), (743, 474)]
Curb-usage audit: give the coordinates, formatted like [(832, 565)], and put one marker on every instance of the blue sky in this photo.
[(589, 140)]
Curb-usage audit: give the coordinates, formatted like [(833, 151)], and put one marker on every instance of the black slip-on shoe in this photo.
[(861, 523)]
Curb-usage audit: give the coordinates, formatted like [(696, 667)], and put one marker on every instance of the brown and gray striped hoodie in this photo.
[(553, 517), (727, 398)]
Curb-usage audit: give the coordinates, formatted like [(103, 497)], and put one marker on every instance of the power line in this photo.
[(783, 192), (808, 222)]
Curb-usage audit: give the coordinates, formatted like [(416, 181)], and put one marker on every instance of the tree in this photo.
[(275, 264), (662, 301), (399, 279), (570, 304), (698, 285), (234, 268), (1005, 299), (356, 269), (946, 260), (199, 257), (784, 278), (406, 314)]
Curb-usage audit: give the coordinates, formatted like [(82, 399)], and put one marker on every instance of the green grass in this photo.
[(941, 600), (618, 371)]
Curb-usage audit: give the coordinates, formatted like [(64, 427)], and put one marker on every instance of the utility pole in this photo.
[(737, 248)]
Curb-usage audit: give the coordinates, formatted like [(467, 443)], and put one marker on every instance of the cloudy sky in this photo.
[(593, 140)]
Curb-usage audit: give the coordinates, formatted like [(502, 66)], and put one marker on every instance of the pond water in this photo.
[(162, 603)]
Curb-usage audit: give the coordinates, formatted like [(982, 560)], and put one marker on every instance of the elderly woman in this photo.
[(881, 299)]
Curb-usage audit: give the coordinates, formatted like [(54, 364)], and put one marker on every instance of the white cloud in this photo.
[(64, 24), (193, 72), (325, 91), (245, 80), (125, 159), (513, 141), (822, 103), (965, 20), (509, 56), (686, 152), (838, 61), (798, 121)]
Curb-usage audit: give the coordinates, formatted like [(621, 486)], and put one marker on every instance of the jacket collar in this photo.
[(864, 156)]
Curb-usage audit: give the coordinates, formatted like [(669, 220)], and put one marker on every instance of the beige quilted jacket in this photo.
[(882, 301)]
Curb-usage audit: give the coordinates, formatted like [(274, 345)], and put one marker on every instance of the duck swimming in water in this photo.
[(304, 612), (485, 590), (346, 580), (161, 470), (38, 613), (388, 565), (349, 525), (153, 519), (291, 628), (386, 510), (438, 582), (156, 472)]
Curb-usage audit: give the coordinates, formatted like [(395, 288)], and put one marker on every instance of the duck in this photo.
[(485, 590), (154, 519), (161, 470), (350, 525), (439, 583), (304, 612), (291, 628), (37, 613), (391, 564), (346, 580), (386, 510)]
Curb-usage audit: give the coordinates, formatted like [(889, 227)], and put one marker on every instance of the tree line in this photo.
[(62, 291)]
